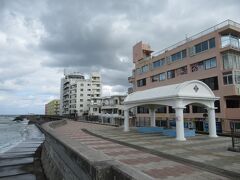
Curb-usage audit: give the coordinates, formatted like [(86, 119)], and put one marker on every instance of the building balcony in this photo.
[(230, 47), (131, 79), (223, 25), (130, 90), (231, 90)]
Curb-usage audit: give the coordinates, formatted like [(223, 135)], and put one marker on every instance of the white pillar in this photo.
[(179, 124), (126, 120), (212, 123), (152, 116)]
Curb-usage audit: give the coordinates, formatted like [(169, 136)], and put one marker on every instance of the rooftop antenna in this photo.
[(186, 36)]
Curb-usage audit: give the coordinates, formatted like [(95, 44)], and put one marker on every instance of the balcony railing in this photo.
[(207, 31)]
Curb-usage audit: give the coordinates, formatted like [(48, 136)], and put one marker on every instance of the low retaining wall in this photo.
[(71, 160)]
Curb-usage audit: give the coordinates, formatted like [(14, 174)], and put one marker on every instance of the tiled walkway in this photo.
[(201, 149), (152, 166)]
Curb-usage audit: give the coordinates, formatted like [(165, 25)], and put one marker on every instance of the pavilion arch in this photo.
[(177, 96)]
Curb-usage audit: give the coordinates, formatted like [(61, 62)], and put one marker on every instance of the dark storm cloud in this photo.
[(89, 34), (82, 33)]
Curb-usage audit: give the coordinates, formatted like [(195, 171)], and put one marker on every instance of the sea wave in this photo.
[(12, 133)]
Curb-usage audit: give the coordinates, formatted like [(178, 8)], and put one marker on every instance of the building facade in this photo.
[(76, 92), (53, 107), (112, 110), (212, 56), (109, 109)]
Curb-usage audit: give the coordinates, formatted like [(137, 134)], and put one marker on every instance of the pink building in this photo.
[(212, 56)]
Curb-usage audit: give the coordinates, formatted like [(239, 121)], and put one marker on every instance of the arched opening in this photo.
[(177, 99)]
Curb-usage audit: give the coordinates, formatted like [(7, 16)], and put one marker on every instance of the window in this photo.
[(198, 109), (81, 89), (212, 43), (159, 63), (230, 40), (179, 55), (210, 63), (159, 77), (142, 109), (161, 109), (138, 70), (81, 105), (81, 100), (233, 103), (162, 76), (155, 78), (212, 82), (187, 109), (197, 66), (184, 53), (170, 74), (203, 46), (141, 82), (231, 61), (171, 110), (217, 105), (206, 64), (145, 69), (227, 78), (95, 109), (198, 48), (237, 77), (181, 71)]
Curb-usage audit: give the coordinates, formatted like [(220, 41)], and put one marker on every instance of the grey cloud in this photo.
[(82, 33), (91, 36)]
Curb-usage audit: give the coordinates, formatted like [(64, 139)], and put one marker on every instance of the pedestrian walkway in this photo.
[(149, 165), (199, 149)]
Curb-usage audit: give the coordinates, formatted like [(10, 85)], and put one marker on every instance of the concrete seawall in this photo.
[(66, 159)]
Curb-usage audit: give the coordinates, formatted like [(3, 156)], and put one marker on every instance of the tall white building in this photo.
[(76, 92)]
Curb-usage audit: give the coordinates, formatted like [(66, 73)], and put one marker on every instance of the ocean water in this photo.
[(13, 133)]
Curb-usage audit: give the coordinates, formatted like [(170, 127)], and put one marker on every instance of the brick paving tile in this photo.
[(141, 160), (123, 153), (83, 140), (115, 150), (98, 143), (109, 147), (174, 171)]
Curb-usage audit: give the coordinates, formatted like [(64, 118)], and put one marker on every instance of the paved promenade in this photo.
[(149, 165)]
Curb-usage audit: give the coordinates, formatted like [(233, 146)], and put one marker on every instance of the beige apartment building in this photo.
[(212, 56), (53, 107)]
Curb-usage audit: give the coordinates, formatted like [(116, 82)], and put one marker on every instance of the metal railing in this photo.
[(202, 33)]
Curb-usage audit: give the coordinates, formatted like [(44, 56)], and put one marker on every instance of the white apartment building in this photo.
[(109, 109), (76, 92)]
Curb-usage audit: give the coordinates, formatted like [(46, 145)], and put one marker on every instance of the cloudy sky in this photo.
[(39, 38)]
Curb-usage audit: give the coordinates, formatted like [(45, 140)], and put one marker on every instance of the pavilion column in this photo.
[(179, 124), (126, 120), (152, 116), (212, 123)]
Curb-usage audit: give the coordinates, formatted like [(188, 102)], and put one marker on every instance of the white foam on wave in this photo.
[(12, 133)]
